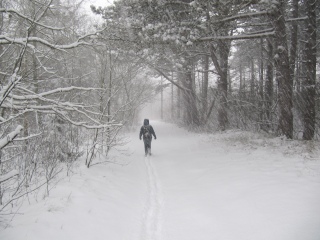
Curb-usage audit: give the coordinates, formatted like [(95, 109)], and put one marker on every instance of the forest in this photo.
[(70, 86)]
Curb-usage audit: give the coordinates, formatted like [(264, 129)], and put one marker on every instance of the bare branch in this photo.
[(84, 124), (48, 93), (2, 120), (241, 16), (8, 175), (237, 37), (3, 10)]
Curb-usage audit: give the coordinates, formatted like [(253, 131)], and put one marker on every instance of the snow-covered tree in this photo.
[(309, 70), (45, 87)]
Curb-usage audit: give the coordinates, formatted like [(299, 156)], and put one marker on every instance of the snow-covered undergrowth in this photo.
[(280, 144), (231, 185), (304, 153)]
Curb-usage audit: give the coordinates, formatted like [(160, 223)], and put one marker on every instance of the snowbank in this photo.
[(232, 185)]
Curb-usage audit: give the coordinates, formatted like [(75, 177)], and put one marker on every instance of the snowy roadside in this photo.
[(240, 185), (232, 185), (301, 157)]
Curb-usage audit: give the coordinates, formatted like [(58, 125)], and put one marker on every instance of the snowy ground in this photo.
[(226, 186)]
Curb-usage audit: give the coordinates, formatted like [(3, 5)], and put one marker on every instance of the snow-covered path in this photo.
[(194, 187)]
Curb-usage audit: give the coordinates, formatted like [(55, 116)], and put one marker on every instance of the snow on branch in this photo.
[(28, 137), (296, 19), (238, 37), (177, 2), (3, 10), (8, 175), (21, 101), (50, 109), (9, 138), (34, 107), (26, 41), (254, 14), (84, 124), (13, 81), (51, 92), (240, 16)]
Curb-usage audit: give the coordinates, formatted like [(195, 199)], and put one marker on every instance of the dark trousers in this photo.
[(147, 145)]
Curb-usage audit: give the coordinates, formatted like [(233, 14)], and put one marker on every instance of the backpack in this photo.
[(146, 132)]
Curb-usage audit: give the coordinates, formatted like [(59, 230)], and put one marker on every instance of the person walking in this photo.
[(147, 132)]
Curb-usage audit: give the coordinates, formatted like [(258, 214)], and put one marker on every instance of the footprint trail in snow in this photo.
[(151, 229)]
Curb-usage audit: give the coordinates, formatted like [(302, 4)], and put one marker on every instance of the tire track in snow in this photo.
[(152, 224)]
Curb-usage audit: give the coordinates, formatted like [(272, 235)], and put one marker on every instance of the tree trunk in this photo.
[(178, 100), (161, 100), (222, 109), (310, 62), (261, 83), (269, 83), (241, 87), (294, 37), (172, 102), (285, 82), (205, 86), (109, 102), (252, 83), (189, 97), (223, 84), (220, 61)]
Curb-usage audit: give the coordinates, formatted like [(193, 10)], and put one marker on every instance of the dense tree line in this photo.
[(234, 64)]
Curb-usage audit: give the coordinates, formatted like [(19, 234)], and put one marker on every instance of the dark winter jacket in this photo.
[(149, 128)]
